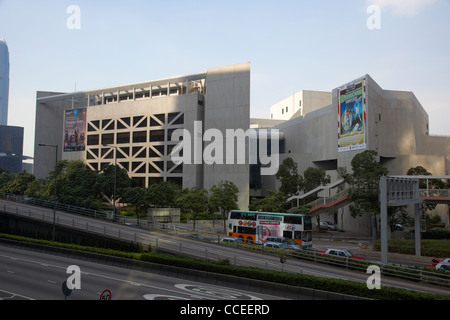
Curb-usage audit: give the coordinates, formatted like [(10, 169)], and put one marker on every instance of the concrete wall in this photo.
[(299, 104), (228, 107)]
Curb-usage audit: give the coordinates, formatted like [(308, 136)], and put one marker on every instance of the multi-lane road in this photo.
[(176, 244), (34, 275)]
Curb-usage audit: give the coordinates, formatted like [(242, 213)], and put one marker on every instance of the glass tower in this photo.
[(4, 82)]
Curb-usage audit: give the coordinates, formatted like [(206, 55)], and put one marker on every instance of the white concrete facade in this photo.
[(299, 104), (136, 122)]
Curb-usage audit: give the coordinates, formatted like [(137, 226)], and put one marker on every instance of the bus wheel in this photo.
[(249, 239), (241, 237)]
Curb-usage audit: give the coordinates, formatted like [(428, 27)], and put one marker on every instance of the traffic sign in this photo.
[(106, 295), (66, 291)]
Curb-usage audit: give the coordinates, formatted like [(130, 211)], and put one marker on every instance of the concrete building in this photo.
[(4, 82), (393, 123), (133, 126)]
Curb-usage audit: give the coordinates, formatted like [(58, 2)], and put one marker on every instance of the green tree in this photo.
[(273, 202), (194, 200), (432, 184), (224, 197), (312, 178), (163, 194), (18, 183), (105, 182), (77, 185), (288, 176), (364, 183), (134, 196)]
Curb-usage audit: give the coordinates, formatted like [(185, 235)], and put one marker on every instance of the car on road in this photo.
[(443, 266), (343, 253), (231, 240), (399, 227), (288, 242), (327, 225), (436, 261), (276, 245)]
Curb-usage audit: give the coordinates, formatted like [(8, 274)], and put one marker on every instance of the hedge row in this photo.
[(429, 248), (437, 234)]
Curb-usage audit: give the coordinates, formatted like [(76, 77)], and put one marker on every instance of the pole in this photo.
[(54, 205), (417, 229), (384, 220), (115, 182)]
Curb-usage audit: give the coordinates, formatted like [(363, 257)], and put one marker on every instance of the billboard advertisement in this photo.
[(75, 130), (352, 117)]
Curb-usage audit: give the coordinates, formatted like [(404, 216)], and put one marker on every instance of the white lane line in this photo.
[(14, 295)]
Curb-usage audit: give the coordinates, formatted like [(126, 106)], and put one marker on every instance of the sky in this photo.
[(291, 45)]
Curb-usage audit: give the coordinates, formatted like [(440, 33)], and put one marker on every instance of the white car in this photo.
[(443, 266), (276, 245), (341, 253), (231, 240)]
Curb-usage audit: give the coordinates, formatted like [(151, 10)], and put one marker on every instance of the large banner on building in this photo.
[(352, 117), (75, 130)]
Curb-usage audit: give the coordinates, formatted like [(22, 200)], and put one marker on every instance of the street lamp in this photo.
[(115, 178), (56, 173)]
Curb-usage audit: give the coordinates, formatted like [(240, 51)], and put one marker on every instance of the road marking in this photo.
[(9, 271), (51, 281), (14, 295)]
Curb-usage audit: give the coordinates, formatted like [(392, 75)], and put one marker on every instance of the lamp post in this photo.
[(115, 178), (56, 173)]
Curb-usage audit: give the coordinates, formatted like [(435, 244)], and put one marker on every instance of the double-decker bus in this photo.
[(255, 227)]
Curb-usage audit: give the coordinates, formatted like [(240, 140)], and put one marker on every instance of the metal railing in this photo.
[(435, 193)]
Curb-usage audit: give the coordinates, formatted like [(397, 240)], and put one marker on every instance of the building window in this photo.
[(108, 138), (123, 137), (153, 151), (156, 135), (93, 140), (286, 109), (139, 136), (156, 167)]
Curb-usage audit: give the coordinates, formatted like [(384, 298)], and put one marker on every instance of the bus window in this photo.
[(308, 223), (298, 235), (287, 234), (292, 220)]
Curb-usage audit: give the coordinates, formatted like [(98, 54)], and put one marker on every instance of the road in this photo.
[(206, 250), (26, 274)]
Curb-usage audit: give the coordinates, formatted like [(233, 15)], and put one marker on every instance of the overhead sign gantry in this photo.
[(398, 191)]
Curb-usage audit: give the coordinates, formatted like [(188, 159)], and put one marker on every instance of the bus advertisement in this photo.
[(255, 227)]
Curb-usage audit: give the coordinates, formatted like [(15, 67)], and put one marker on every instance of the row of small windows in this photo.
[(156, 120), (129, 137), (140, 167), (136, 152)]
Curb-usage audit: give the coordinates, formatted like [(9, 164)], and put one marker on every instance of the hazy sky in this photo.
[(292, 45)]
